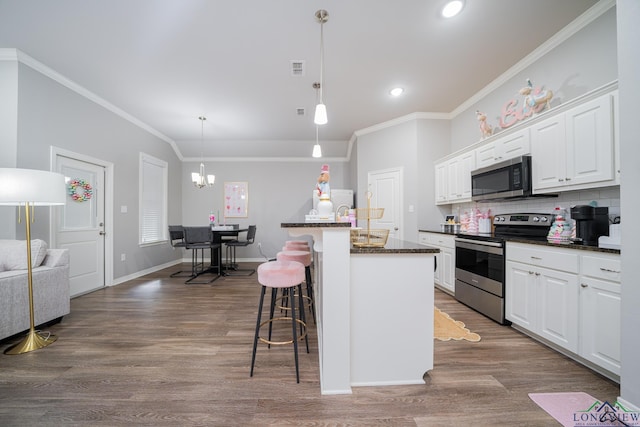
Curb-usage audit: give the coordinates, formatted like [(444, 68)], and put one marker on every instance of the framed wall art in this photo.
[(236, 199)]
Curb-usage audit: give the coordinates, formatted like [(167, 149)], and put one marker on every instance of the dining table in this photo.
[(222, 234)]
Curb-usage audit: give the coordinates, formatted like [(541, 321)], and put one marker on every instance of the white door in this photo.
[(80, 225), (385, 187)]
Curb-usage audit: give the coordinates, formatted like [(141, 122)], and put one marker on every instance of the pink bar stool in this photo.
[(303, 257), (281, 275), (296, 247), (296, 242)]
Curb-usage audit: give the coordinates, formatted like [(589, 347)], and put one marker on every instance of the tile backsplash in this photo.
[(606, 196)]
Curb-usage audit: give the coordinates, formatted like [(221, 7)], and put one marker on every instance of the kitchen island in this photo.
[(374, 308)]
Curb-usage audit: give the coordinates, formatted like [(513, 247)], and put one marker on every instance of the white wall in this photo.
[(50, 114), (390, 148), (8, 136), (586, 61), (278, 192), (629, 85)]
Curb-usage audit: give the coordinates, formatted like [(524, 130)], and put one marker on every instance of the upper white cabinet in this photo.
[(574, 149), (573, 146), (504, 148), (453, 178)]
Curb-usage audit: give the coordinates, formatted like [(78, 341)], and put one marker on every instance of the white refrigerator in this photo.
[(339, 197)]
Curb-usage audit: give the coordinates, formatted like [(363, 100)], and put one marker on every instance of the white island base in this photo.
[(374, 308), (391, 318)]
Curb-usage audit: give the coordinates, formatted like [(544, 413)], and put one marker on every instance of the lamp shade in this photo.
[(320, 117), (36, 187), (317, 151)]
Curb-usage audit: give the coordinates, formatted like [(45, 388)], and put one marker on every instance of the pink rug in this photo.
[(564, 406)]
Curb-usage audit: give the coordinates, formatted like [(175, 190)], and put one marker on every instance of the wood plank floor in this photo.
[(154, 351)]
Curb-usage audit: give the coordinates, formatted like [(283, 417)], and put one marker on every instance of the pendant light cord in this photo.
[(322, 19)]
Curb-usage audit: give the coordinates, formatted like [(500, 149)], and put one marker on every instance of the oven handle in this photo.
[(490, 247)]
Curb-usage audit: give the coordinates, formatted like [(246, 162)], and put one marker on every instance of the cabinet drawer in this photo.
[(423, 239), (602, 267), (557, 259), (443, 240)]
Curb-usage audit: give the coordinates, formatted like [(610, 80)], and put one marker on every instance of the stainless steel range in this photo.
[(480, 261)]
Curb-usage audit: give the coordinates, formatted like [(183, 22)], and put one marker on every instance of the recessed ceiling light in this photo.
[(452, 8), (397, 91)]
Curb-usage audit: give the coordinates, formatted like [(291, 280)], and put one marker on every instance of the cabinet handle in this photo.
[(584, 285), (537, 274), (536, 257), (560, 180), (609, 271), (568, 179), (531, 272)]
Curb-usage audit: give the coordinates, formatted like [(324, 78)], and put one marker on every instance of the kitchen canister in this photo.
[(325, 207)]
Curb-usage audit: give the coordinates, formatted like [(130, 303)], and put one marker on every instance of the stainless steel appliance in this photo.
[(480, 261), (508, 179)]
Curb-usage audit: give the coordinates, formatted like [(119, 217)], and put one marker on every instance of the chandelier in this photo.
[(200, 179)]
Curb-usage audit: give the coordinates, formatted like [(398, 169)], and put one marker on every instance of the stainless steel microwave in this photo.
[(504, 180)]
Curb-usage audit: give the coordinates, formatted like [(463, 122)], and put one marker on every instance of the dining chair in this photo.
[(231, 253), (199, 239), (176, 237)]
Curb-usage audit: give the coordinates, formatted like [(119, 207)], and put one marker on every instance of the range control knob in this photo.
[(544, 219), (536, 219)]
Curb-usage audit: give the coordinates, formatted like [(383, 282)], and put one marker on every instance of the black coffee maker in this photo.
[(591, 223)]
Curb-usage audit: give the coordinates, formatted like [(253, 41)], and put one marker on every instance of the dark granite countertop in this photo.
[(541, 243), (395, 246)]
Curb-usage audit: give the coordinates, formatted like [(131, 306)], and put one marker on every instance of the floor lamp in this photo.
[(29, 188)]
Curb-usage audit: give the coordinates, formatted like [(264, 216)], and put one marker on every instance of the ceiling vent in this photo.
[(297, 68), (300, 111)]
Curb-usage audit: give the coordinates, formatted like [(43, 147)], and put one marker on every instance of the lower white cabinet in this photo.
[(445, 274), (543, 300), (600, 311), (568, 297)]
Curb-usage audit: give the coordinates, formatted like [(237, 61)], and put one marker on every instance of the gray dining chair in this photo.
[(176, 237), (199, 239), (231, 253)]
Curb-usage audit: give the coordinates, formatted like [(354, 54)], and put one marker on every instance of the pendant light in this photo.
[(317, 150), (320, 117), (200, 179)]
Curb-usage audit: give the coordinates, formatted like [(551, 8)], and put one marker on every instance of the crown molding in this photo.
[(265, 159), (82, 91), (400, 120), (8, 54)]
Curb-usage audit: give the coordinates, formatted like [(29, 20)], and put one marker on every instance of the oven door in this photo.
[(481, 264)]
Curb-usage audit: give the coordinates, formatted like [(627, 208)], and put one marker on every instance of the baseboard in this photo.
[(628, 405)]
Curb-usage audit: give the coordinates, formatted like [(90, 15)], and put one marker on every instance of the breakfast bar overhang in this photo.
[(374, 309)]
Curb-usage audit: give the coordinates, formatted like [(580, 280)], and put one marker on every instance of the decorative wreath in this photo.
[(87, 190)]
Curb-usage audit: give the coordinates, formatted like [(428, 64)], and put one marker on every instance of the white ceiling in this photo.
[(166, 62)]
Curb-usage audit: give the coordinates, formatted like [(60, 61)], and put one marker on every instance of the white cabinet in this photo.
[(571, 298), (441, 183), (600, 310), (574, 149), (504, 148), (542, 293), (453, 178), (445, 260)]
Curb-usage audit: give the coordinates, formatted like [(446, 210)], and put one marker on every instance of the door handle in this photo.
[(102, 233), (395, 228)]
